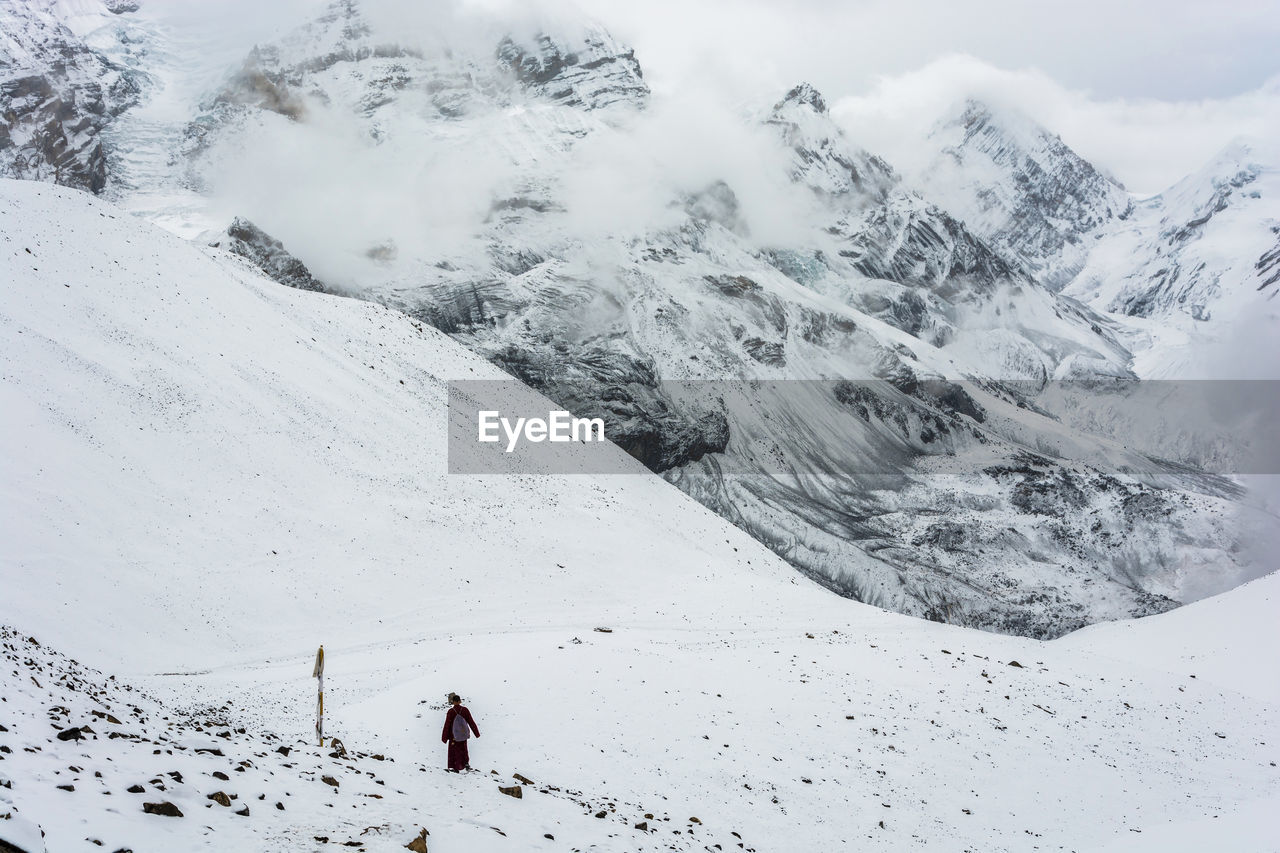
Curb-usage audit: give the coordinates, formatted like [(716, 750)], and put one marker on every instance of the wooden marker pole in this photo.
[(318, 674)]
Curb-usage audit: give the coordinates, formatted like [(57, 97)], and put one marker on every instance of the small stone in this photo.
[(643, 826), (523, 779), (244, 812), (73, 733), (280, 806), (163, 808), (602, 814), (329, 780), (1015, 663), (220, 798), (67, 787), (218, 774), (514, 791), (135, 789), (283, 750)]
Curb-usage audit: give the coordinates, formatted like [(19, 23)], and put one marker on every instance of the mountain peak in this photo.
[(804, 94), (1021, 188)]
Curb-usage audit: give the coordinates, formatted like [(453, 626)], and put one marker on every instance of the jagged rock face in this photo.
[(269, 255), (922, 270), (57, 94), (1023, 190), (594, 73), (599, 73)]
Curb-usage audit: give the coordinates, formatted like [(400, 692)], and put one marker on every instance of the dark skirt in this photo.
[(458, 758)]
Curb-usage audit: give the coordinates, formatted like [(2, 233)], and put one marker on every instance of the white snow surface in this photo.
[(207, 475)]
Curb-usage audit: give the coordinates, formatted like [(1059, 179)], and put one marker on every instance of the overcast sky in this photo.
[(1148, 89)]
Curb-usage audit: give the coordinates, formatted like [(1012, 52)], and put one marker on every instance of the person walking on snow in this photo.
[(458, 726)]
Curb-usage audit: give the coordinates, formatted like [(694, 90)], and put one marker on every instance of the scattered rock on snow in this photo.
[(329, 780), (220, 798), (164, 808), (514, 791)]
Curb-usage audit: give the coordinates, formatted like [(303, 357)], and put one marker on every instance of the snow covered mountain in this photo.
[(526, 194), (212, 474), (616, 318), (1197, 270), (1021, 189), (1185, 274)]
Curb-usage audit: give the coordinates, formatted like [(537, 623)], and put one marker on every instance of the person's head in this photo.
[(455, 699)]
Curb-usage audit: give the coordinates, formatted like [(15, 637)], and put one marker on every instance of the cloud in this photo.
[(1148, 144), (1166, 49)]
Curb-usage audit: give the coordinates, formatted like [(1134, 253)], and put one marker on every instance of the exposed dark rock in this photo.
[(594, 74), (269, 255), (804, 94), (56, 104), (624, 392), (419, 844), (163, 808)]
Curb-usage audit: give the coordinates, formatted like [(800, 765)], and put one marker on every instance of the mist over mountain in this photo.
[(517, 185)]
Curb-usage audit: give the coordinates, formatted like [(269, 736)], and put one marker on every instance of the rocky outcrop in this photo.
[(269, 255), (57, 96), (598, 73)]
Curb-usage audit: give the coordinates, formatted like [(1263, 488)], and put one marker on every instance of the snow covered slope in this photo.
[(208, 474), (197, 402)]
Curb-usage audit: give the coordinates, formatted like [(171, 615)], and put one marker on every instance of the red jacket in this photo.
[(447, 735)]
